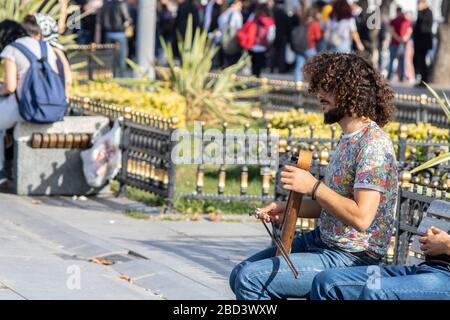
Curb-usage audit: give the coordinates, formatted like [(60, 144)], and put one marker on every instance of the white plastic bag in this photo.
[(103, 161)]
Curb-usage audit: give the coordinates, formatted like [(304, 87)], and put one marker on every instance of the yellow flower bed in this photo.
[(302, 121), (161, 102)]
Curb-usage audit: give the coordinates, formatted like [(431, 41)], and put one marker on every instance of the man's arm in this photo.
[(358, 213)]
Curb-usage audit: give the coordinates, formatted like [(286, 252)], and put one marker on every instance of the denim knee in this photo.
[(240, 284), (233, 276), (372, 294), (246, 284), (322, 283)]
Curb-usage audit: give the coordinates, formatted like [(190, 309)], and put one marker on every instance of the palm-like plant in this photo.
[(445, 105), (18, 9), (207, 98)]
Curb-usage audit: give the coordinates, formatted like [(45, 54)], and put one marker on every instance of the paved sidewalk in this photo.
[(48, 242)]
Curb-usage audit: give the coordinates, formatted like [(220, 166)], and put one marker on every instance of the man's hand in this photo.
[(273, 212), (435, 242), (298, 180)]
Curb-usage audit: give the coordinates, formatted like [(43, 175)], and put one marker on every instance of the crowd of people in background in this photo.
[(278, 40), (284, 41)]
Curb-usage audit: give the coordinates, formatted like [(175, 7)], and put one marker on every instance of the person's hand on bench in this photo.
[(435, 242)]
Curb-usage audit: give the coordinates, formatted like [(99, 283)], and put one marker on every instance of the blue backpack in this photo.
[(43, 97)]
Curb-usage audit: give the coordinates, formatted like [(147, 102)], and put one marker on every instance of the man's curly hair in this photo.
[(356, 85)]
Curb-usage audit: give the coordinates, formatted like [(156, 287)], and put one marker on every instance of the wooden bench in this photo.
[(411, 228)]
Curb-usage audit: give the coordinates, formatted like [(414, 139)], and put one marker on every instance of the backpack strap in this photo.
[(26, 52), (60, 66), (43, 46)]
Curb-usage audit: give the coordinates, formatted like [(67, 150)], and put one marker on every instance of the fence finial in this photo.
[(324, 156), (127, 113), (405, 178), (86, 102), (423, 99), (403, 131), (282, 144), (174, 121)]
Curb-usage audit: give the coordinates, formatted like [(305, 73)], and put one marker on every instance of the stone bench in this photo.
[(47, 156)]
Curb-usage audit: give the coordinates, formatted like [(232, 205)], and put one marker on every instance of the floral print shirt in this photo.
[(363, 159)]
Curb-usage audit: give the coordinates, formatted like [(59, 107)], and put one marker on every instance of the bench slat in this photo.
[(440, 208), (424, 225)]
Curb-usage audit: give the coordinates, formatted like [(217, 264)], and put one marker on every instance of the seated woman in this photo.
[(16, 66), (427, 281)]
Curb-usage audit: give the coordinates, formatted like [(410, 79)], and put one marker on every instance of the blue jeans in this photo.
[(397, 53), (264, 276), (386, 283), (300, 61), (121, 38)]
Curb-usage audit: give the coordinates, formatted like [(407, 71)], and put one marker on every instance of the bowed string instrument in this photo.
[(283, 241)]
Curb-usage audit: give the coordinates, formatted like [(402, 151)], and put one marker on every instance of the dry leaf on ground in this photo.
[(125, 277), (102, 261)]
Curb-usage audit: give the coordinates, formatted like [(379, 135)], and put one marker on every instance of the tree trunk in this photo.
[(441, 70)]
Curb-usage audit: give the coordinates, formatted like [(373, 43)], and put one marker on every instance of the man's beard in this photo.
[(333, 116)]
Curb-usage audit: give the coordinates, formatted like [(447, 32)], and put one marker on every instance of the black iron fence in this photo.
[(288, 95), (148, 148), (93, 61)]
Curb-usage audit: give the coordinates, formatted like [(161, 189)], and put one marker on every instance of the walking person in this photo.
[(164, 26), (115, 18), (341, 29), (185, 9), (265, 35), (230, 21), (409, 55), (283, 28), (423, 40), (308, 30), (400, 29), (213, 10)]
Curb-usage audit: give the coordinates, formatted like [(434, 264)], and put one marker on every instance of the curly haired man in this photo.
[(356, 201)]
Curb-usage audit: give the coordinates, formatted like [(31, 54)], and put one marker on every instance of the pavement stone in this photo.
[(163, 259)]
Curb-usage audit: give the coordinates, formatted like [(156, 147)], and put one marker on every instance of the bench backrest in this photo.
[(437, 215)]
